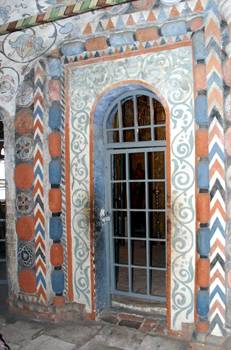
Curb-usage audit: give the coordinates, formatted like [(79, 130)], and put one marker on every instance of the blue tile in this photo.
[(174, 28), (55, 228), (119, 39), (201, 111), (198, 42), (203, 241), (57, 281), (55, 115), (72, 49), (203, 303), (203, 174), (55, 172), (54, 67)]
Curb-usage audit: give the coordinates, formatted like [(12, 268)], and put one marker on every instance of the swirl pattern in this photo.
[(170, 72)]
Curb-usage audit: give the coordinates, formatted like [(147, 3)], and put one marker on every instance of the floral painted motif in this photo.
[(8, 84), (30, 44)]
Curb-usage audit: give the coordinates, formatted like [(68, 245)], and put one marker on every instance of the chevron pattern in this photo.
[(217, 173), (39, 216)]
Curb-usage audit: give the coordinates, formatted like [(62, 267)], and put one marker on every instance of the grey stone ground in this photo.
[(81, 335)]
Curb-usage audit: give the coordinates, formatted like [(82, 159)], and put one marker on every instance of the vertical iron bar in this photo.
[(147, 222), (120, 115), (135, 118), (152, 117), (129, 224)]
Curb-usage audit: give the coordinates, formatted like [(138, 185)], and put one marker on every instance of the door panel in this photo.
[(137, 201)]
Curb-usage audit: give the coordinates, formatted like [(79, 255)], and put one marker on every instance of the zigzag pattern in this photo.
[(39, 216), (217, 173)]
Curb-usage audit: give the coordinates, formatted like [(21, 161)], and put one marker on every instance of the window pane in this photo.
[(156, 165), (113, 136), (157, 283), (127, 113), (156, 195), (145, 134), (138, 224), (119, 196), (121, 278), (120, 224), (157, 225), (159, 113), (121, 251), (159, 133), (157, 254), (138, 252), (139, 281), (118, 167), (136, 166), (143, 108), (129, 135)]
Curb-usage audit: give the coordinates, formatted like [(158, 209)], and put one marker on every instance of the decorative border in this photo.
[(183, 255), (162, 13), (217, 172), (39, 214)]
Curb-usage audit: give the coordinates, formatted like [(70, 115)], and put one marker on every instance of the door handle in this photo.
[(105, 216)]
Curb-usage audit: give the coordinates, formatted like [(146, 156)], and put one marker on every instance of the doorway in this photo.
[(134, 134)]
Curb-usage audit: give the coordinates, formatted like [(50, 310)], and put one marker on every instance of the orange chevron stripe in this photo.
[(40, 266), (214, 63), (39, 216), (212, 30), (217, 206), (215, 131), (217, 275), (38, 97), (38, 156), (38, 187), (39, 72), (41, 293), (217, 306), (217, 244), (217, 167), (38, 125), (215, 98)]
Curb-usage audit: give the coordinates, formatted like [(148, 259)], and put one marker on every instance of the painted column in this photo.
[(217, 293), (225, 9)]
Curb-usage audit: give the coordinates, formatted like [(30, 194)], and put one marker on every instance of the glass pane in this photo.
[(139, 281), (158, 283), (120, 224), (157, 254), (2, 271), (157, 226), (113, 136), (128, 113), (143, 108), (136, 166), (2, 250), (2, 210), (121, 251), (113, 120), (119, 167), (138, 224), (2, 229), (159, 113), (159, 133), (156, 165), (138, 250), (145, 134), (156, 195), (129, 135), (121, 278), (119, 196), (2, 151), (137, 195)]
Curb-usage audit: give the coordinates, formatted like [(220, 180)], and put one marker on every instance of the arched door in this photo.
[(134, 135)]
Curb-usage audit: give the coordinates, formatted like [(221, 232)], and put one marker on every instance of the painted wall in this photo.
[(32, 89)]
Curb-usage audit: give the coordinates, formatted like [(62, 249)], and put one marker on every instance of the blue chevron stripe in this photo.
[(217, 291), (40, 278), (216, 151), (38, 112), (215, 78), (217, 226), (38, 172)]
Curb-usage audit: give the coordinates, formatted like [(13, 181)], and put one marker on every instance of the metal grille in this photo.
[(137, 196)]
